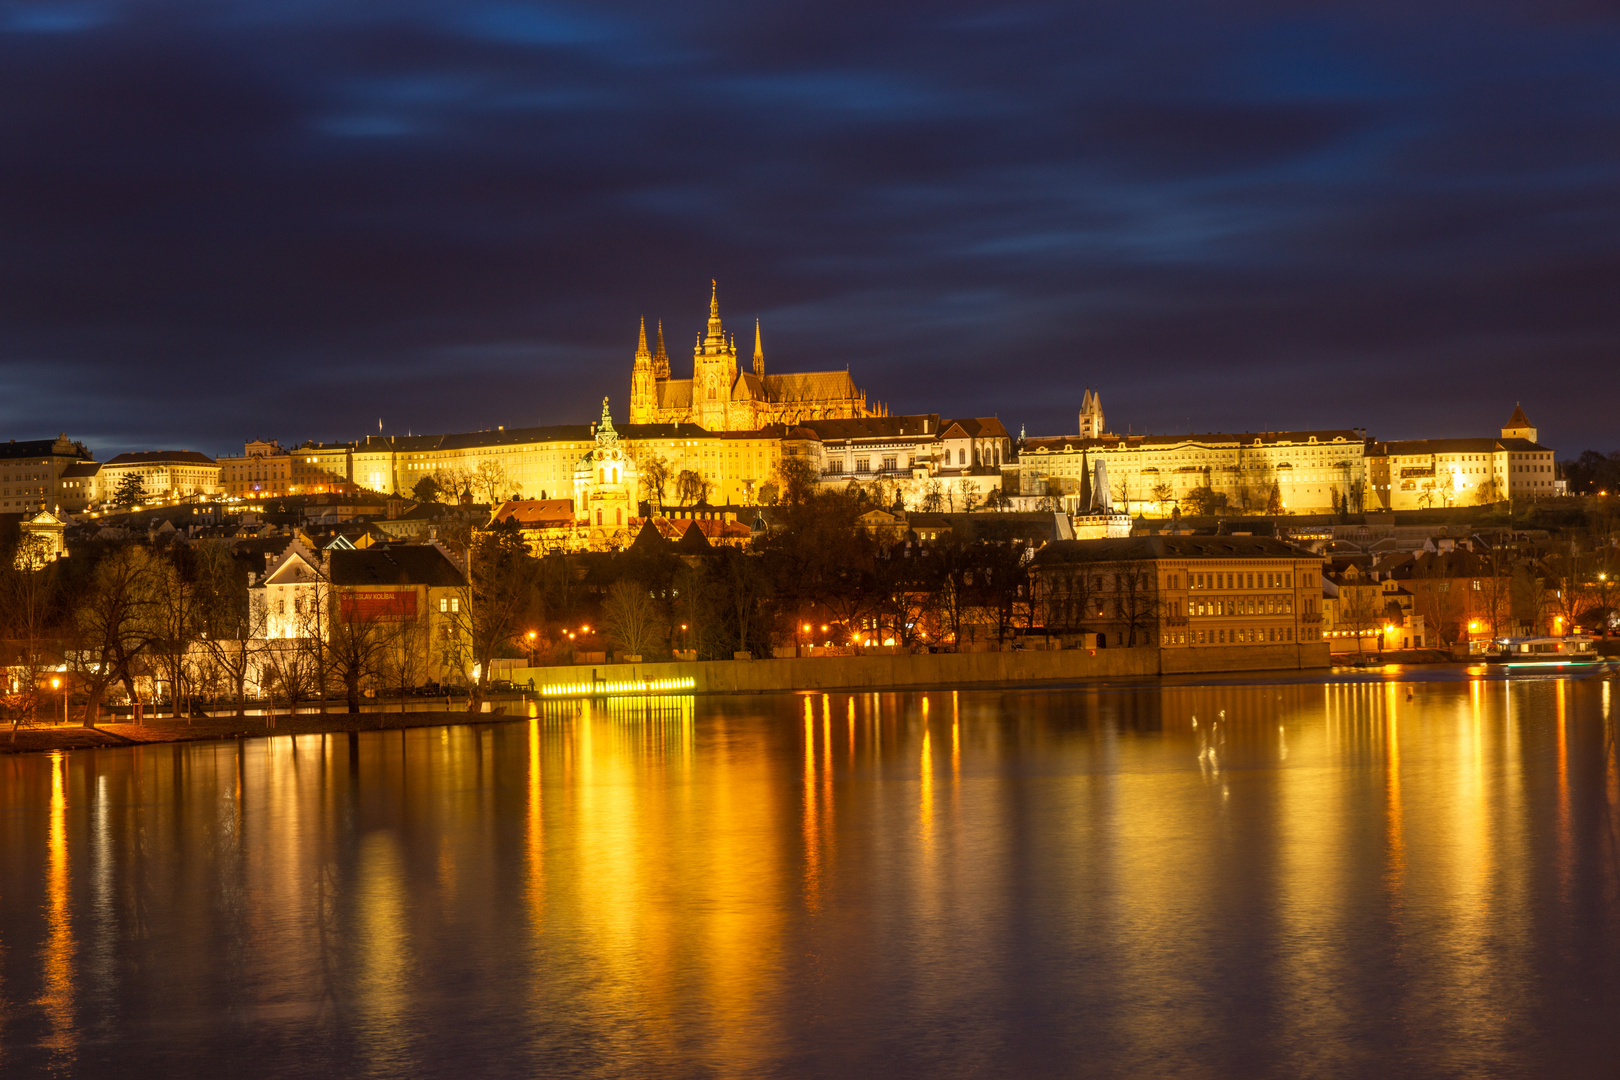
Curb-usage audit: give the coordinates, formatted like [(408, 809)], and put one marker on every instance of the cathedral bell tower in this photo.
[(714, 369), (643, 395)]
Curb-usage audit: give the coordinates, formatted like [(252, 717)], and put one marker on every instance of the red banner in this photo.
[(377, 606)]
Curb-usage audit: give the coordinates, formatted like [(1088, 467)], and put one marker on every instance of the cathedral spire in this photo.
[(759, 352), (660, 357), (716, 335), (641, 343)]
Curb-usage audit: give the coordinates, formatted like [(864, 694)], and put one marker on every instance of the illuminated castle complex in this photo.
[(719, 397)]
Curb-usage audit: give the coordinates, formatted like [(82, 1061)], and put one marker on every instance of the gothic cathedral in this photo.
[(719, 397)]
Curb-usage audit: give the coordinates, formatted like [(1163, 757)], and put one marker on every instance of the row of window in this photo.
[(1245, 605), (1267, 580), (1249, 635)]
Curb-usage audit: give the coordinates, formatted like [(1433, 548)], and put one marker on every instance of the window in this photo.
[(455, 603), (444, 605), (888, 464), (961, 457), (863, 465)]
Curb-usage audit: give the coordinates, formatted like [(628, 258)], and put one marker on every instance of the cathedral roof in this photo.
[(674, 393), (810, 386), (748, 387)]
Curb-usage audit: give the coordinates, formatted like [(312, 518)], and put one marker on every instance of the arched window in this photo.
[(599, 517), (618, 517)]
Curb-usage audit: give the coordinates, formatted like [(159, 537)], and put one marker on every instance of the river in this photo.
[(1309, 877)]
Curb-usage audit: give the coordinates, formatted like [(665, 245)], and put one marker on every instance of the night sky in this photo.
[(222, 221)]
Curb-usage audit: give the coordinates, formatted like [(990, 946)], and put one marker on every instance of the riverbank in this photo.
[(216, 728)]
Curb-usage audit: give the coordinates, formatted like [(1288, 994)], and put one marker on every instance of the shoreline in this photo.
[(113, 736)]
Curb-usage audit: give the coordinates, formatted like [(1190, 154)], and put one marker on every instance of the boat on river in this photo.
[(1568, 650)]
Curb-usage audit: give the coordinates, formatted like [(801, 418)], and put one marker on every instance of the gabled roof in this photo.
[(1423, 447), (81, 470), (407, 564), (1123, 549), (975, 427), (693, 542), (536, 513), (925, 425), (1343, 439), (649, 539), (163, 457)]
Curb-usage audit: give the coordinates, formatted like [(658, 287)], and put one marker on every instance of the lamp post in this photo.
[(531, 635), (56, 683)]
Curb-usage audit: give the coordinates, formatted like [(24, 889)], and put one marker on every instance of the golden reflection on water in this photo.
[(536, 887), (812, 832), (1349, 858), (57, 1000)]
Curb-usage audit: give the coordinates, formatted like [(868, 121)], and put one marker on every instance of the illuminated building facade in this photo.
[(165, 474), (47, 474), (1181, 592), (1302, 472), (1424, 473), (720, 398)]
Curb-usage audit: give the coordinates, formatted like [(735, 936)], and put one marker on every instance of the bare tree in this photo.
[(1529, 598), (1137, 602), (502, 596), (356, 649), (178, 614), (691, 488), (970, 496), (652, 470), (233, 627), (27, 585), (631, 617), (490, 483), (404, 657), (1360, 610), (114, 624)]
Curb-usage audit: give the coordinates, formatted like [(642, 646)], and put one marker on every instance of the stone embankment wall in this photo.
[(936, 669)]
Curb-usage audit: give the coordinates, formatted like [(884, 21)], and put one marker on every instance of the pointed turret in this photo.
[(716, 334), (660, 357), (759, 352), (1518, 425), (643, 395)]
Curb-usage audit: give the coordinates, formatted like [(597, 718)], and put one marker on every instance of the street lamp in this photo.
[(531, 635), (56, 684)]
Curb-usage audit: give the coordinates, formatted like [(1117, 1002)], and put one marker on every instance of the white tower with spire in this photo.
[(1091, 415)]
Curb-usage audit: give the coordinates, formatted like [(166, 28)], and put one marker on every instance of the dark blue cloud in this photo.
[(227, 221)]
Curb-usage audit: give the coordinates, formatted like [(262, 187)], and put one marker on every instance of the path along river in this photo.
[(1312, 877)]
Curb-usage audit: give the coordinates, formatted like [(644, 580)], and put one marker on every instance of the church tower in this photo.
[(714, 369), (759, 353), (660, 358), (1518, 425), (1091, 415), (643, 395)]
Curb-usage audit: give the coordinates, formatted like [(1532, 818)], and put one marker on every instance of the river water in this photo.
[(1302, 878)]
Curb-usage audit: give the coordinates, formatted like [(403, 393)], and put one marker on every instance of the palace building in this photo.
[(720, 398)]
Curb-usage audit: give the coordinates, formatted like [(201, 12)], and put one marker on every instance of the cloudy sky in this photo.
[(288, 218)]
